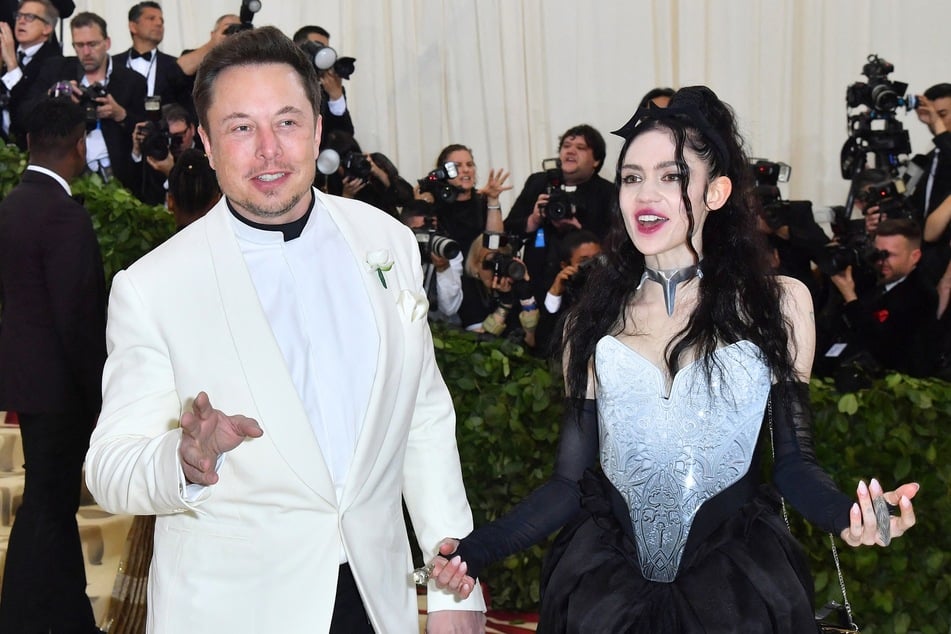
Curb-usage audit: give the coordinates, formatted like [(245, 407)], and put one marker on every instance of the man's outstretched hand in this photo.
[(207, 433)]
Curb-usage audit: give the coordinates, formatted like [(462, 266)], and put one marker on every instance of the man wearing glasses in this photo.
[(24, 48), (113, 96)]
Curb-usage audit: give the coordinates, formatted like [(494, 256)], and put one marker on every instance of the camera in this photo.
[(430, 242), (838, 257), (852, 246), (356, 165), (88, 98), (775, 211), (325, 58), (561, 203), (158, 141), (437, 183), (886, 139), (880, 93), (504, 265), (578, 280), (889, 199)]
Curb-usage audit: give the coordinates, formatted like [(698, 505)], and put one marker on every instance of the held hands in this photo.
[(450, 573), (863, 528), (207, 433)]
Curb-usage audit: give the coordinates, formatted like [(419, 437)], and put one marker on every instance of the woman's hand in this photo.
[(863, 527), (495, 186), (449, 573)]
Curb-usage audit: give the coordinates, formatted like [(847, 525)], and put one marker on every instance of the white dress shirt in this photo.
[(311, 290)]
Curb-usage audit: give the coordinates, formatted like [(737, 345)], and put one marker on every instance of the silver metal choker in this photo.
[(669, 279)]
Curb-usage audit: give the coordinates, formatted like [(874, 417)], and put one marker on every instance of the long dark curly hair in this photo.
[(738, 298)]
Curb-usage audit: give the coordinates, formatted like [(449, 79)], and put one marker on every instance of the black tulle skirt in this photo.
[(748, 576)]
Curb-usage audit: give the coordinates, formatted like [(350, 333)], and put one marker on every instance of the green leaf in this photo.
[(849, 404)]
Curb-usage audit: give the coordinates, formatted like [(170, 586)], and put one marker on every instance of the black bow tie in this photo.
[(134, 54)]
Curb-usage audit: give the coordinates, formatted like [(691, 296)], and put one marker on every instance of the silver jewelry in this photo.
[(669, 279), (421, 576)]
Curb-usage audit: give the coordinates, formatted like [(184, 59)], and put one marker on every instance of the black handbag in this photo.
[(833, 617)]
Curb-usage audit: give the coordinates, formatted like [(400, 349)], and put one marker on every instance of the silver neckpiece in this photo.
[(669, 279)]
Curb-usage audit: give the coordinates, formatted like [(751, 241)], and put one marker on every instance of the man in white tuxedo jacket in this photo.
[(271, 392)]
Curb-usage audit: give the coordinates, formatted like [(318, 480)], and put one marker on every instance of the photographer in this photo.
[(933, 186), (25, 43), (166, 82), (894, 324), (334, 112), (496, 296), (463, 212), (156, 146), (343, 169), (112, 96), (442, 263), (578, 251), (789, 225), (584, 201)]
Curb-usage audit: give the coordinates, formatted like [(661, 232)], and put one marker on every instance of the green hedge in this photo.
[(508, 406), (126, 227)]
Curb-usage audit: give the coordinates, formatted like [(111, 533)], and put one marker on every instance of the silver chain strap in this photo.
[(782, 502)]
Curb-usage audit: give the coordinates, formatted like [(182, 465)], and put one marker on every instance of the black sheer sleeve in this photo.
[(797, 475), (549, 506)]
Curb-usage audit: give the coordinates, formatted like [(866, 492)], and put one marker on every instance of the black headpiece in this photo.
[(686, 113)]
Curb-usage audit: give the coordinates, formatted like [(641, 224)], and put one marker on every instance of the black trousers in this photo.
[(44, 578), (350, 617)]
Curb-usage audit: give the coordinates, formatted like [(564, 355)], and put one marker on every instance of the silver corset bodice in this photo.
[(667, 455)]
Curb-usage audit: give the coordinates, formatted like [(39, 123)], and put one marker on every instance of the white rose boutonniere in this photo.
[(380, 262)]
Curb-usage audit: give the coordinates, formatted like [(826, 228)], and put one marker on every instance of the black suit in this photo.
[(52, 350), (19, 107), (330, 121), (171, 84), (934, 255), (127, 87), (899, 327)]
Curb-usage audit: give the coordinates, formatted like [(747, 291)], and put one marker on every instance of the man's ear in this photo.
[(915, 256), (718, 192), (206, 142)]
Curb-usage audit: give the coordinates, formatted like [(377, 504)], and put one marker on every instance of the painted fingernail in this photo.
[(863, 488), (456, 560)]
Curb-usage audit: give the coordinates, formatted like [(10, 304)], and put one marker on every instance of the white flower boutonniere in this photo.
[(380, 262)]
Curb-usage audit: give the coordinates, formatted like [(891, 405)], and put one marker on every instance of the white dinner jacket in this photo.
[(259, 550)]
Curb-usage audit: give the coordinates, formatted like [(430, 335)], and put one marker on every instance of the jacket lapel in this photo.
[(389, 328), (281, 413)]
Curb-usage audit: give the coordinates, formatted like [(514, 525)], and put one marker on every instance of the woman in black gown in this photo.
[(686, 364)]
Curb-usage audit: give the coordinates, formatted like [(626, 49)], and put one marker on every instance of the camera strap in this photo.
[(668, 280)]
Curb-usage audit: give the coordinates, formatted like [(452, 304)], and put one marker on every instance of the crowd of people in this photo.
[(274, 422)]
